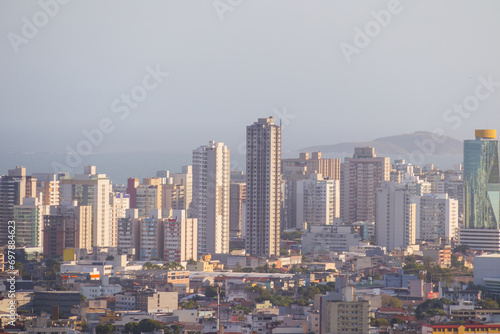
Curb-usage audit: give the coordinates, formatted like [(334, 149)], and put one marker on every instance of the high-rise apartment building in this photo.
[(315, 163), (132, 184), (185, 180), (173, 197), (180, 237), (148, 197), (237, 198), (263, 190), (29, 222), (301, 168), (361, 176), (67, 226), (128, 234), (437, 217), (120, 203), (169, 239), (318, 201), (211, 191), (13, 188), (395, 223), (47, 184), (292, 173), (93, 189), (150, 239), (481, 192)]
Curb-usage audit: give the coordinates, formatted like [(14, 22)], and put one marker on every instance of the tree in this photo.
[(189, 305), (149, 325), (132, 327), (150, 266), (379, 322), (461, 249), (175, 329), (376, 277), (246, 310), (391, 301), (211, 292), (309, 292), (413, 268), (429, 308), (488, 303), (172, 266), (52, 267), (291, 235), (105, 329)]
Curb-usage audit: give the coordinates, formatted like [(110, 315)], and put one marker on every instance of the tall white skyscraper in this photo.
[(395, 221), (211, 189), (263, 191)]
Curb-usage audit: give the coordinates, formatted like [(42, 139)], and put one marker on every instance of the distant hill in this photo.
[(395, 145)]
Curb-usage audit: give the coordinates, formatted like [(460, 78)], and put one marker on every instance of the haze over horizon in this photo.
[(280, 58)]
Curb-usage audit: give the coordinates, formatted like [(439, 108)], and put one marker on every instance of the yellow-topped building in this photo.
[(486, 133)]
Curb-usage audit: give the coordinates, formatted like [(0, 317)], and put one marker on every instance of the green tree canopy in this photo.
[(379, 322), (105, 329)]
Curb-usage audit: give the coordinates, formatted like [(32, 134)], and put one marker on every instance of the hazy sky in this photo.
[(265, 57)]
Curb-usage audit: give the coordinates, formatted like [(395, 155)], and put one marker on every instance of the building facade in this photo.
[(361, 176), (211, 191), (395, 224), (481, 192), (95, 190), (318, 200), (263, 190)]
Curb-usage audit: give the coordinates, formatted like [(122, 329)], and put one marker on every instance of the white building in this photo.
[(211, 191), (93, 189), (437, 217), (486, 272), (395, 221), (125, 302), (29, 222), (120, 203), (185, 179), (329, 238), (47, 184), (128, 233), (93, 291), (180, 237), (318, 200), (148, 197)]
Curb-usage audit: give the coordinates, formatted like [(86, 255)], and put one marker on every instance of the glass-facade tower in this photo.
[(481, 181)]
